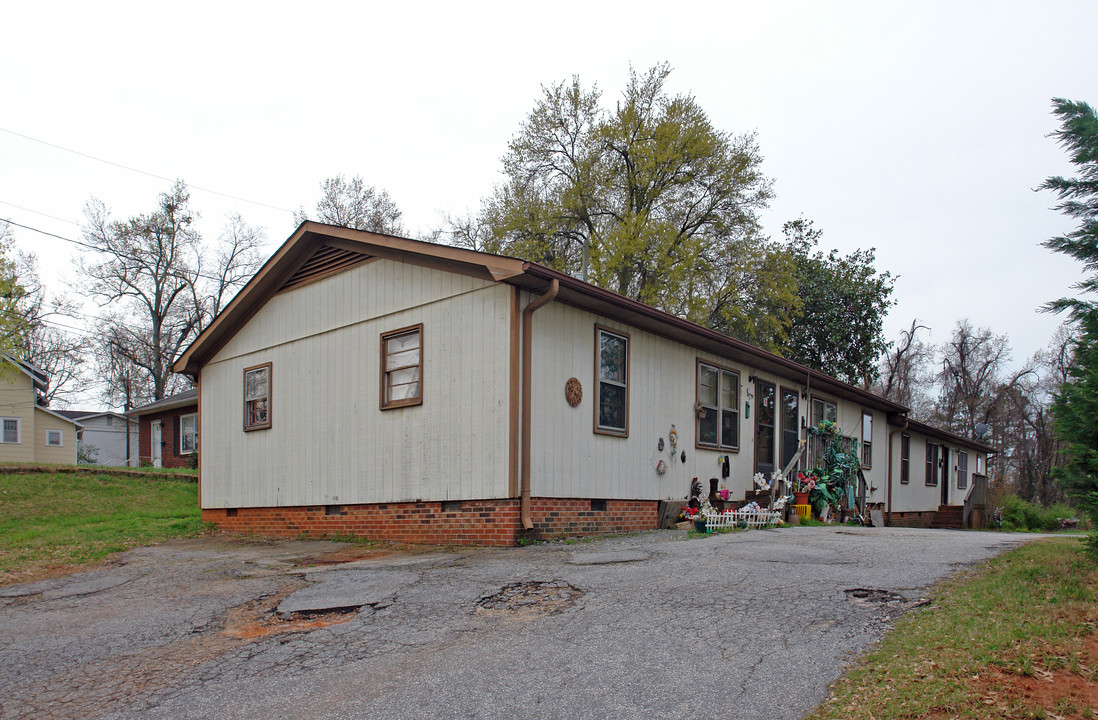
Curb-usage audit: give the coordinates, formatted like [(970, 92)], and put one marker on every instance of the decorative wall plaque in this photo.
[(573, 392)]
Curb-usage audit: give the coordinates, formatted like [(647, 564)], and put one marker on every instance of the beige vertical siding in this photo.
[(570, 460), (329, 442)]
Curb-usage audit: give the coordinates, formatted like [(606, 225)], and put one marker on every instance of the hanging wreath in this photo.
[(573, 391)]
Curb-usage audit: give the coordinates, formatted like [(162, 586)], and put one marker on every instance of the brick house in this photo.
[(168, 430)]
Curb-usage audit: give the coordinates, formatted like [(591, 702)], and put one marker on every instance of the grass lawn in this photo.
[(1014, 639), (50, 520)]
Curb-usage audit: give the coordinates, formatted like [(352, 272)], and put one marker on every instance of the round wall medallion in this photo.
[(573, 392)]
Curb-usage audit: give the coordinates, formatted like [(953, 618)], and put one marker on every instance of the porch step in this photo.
[(949, 516)]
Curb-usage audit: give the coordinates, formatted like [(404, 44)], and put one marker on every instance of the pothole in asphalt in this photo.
[(880, 597), (260, 618), (532, 597)]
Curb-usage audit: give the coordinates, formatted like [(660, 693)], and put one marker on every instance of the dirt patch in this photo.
[(259, 618), (1062, 685)]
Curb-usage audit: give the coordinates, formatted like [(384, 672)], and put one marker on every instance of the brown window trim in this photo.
[(932, 465), (409, 402), (862, 443), (270, 385), (628, 370), (698, 362), (905, 459)]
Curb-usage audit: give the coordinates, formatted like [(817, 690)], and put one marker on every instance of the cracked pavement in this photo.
[(748, 625)]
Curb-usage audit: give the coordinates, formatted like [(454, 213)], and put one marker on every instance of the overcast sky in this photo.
[(919, 129)]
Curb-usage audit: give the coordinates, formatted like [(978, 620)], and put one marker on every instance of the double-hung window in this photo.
[(53, 438), (257, 397), (823, 410), (188, 433), (931, 463), (962, 470), (905, 458), (612, 381), (402, 367), (718, 407), (867, 439), (9, 433)]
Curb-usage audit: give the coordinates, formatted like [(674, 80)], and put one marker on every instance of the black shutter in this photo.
[(176, 439)]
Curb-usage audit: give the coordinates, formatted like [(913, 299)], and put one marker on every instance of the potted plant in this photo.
[(804, 486)]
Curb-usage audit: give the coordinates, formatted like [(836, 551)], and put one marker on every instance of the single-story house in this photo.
[(168, 430), (103, 439), (394, 388), (29, 431)]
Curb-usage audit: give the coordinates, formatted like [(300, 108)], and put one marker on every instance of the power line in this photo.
[(37, 212), (143, 172), (84, 245)]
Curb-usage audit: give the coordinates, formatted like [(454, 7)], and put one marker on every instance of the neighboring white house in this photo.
[(29, 431), (103, 438), (395, 388)]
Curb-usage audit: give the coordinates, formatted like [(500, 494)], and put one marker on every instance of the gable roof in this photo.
[(57, 414), (183, 399), (316, 250), (39, 379), (91, 414)]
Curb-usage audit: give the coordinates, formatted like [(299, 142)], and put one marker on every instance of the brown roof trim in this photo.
[(183, 399), (310, 236), (296, 251), (606, 302), (939, 434)]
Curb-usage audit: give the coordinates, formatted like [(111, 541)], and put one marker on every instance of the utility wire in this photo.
[(143, 172)]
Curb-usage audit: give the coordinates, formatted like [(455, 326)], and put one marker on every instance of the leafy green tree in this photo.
[(649, 200), (1078, 196), (1075, 421), (840, 329), (13, 322), (1075, 405)]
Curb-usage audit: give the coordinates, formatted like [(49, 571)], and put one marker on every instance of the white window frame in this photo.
[(719, 408), (183, 434), (18, 431), (60, 438), (962, 470)]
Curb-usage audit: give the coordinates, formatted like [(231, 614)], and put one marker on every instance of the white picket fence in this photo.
[(737, 518)]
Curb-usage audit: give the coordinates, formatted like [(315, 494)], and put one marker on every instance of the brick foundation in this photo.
[(466, 522), (917, 519)]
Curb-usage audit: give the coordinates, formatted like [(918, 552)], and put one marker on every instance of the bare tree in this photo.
[(973, 381), (51, 341), (236, 259), (151, 271), (906, 377), (355, 205)]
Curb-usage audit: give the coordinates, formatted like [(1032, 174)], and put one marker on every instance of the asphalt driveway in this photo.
[(746, 625)]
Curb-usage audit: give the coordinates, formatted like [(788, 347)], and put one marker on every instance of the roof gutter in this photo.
[(527, 372)]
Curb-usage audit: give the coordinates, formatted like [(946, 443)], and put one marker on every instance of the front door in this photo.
[(764, 428), (791, 421), (157, 449), (945, 475)]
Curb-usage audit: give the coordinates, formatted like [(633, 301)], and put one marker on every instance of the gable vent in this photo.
[(327, 260)]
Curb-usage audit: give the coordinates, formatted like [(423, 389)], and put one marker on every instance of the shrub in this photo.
[(1026, 516)]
